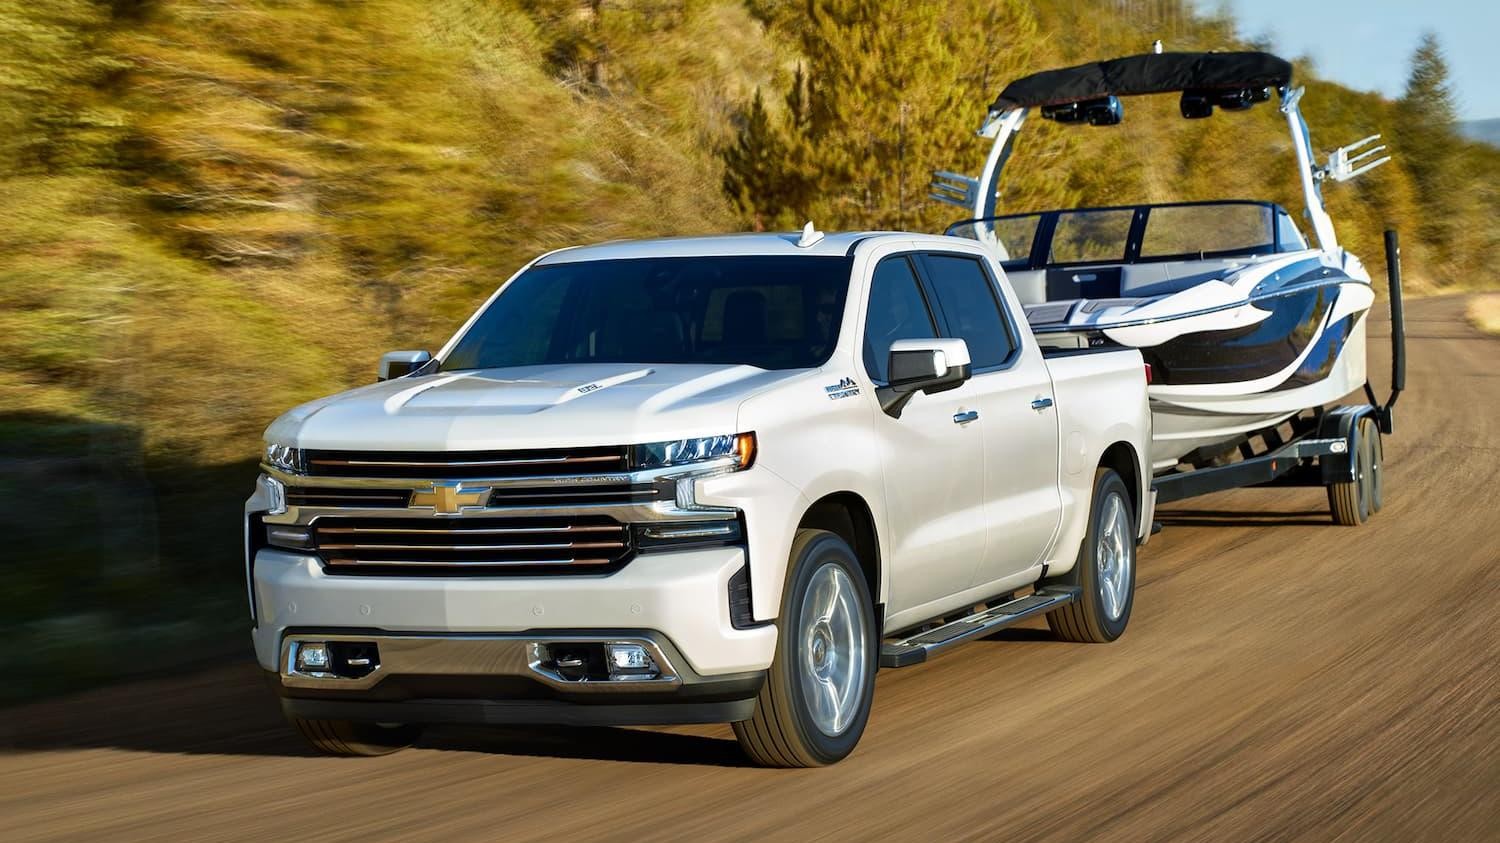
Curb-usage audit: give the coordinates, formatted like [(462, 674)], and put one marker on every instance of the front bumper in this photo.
[(678, 599), (502, 678)]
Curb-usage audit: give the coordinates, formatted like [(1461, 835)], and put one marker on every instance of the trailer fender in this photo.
[(1341, 423)]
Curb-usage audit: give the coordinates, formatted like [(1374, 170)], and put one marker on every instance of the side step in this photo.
[(916, 649)]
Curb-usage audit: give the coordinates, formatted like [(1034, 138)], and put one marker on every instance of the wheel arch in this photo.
[(847, 515), (1122, 457)]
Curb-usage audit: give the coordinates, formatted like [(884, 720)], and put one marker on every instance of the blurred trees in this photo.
[(213, 210), (1433, 149), (876, 101), (881, 95)]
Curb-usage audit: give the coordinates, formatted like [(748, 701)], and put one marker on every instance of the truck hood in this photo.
[(528, 407)]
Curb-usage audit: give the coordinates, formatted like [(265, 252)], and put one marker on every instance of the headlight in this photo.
[(738, 447), (284, 458)]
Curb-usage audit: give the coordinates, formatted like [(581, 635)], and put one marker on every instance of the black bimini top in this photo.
[(1152, 73)]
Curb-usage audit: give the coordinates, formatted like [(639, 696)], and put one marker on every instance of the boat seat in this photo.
[(1164, 277), (1030, 284)]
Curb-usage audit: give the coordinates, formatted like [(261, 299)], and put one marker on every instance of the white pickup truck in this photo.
[(690, 481)]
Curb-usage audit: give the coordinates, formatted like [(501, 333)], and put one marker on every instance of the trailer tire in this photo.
[(1352, 501), (349, 738), (785, 730), (1107, 593)]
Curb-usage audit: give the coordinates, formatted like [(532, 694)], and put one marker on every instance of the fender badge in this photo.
[(843, 389)]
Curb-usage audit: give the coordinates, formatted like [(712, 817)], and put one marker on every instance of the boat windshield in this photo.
[(1136, 234), (772, 312)]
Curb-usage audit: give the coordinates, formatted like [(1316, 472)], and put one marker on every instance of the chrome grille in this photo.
[(614, 493), (461, 465), (348, 497), (584, 545)]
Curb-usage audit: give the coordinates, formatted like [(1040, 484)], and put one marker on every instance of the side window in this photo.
[(967, 297), (897, 312)]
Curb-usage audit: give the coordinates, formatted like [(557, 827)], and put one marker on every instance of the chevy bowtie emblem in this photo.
[(450, 498)]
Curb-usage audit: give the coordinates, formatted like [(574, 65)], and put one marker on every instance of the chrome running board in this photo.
[(916, 649)]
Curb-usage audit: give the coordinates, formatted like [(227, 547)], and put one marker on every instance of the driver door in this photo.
[(932, 456)]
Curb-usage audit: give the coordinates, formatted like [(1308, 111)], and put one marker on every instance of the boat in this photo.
[(1243, 321)]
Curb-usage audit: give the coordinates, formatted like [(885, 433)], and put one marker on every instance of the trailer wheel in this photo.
[(1354, 500), (344, 737), (1105, 570), (816, 699)]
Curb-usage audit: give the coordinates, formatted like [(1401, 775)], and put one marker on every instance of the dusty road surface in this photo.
[(1281, 678)]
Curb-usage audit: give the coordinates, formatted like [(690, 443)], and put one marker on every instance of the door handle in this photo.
[(966, 416), (1040, 404)]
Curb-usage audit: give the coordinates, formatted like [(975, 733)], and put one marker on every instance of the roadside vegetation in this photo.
[(213, 211), (1484, 313)]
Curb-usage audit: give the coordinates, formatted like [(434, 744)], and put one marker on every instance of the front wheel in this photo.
[(1105, 570), (816, 699)]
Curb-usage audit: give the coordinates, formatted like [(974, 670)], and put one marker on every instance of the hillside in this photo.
[(212, 210)]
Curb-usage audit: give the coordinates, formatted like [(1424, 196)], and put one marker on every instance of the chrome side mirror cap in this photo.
[(925, 365), (396, 364)]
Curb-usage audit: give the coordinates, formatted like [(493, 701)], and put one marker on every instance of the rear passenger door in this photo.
[(1012, 392)]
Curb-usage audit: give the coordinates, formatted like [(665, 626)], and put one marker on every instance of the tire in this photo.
[(1352, 502), (1377, 468), (1102, 610), (838, 642), (344, 737)]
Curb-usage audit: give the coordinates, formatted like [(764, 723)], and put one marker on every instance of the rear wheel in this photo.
[(816, 700), (1105, 570), (344, 737), (1353, 501)]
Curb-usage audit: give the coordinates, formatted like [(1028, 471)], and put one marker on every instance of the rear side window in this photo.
[(897, 312), (967, 297)]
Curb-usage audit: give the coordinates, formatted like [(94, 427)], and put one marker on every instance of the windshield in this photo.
[(772, 312), (1189, 231), (1135, 234)]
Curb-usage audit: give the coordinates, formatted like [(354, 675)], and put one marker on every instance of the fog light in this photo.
[(629, 661), (313, 658)]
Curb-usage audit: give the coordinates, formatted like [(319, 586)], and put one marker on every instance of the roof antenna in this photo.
[(1156, 46), (810, 236)]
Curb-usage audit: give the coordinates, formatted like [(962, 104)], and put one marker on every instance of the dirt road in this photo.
[(1281, 678)]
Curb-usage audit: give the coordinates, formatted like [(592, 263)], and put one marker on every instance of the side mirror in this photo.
[(395, 364), (930, 365)]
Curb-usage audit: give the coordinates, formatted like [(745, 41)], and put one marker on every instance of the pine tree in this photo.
[(886, 94), (1430, 146)]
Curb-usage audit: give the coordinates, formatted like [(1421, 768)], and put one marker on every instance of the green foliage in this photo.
[(1427, 132), (875, 104)]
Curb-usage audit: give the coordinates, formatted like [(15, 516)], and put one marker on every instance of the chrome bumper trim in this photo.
[(470, 655)]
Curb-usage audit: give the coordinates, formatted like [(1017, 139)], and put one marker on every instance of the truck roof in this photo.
[(835, 244)]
